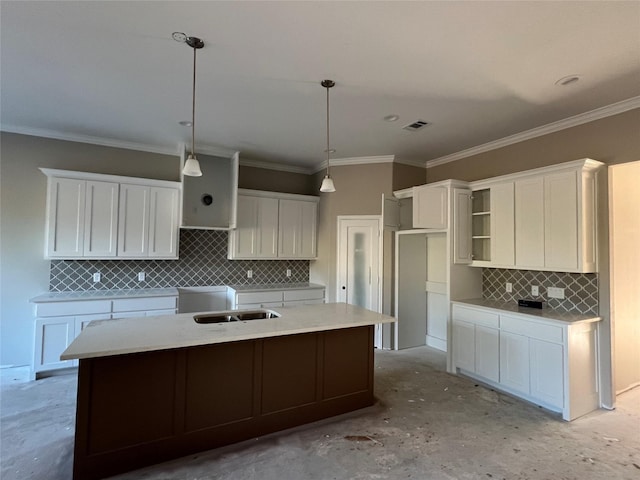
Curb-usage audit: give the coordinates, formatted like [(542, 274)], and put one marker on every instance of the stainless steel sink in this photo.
[(224, 317), (214, 318)]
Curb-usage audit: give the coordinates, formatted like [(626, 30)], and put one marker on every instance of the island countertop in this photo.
[(103, 338)]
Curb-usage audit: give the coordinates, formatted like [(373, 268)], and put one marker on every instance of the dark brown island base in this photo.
[(143, 405)]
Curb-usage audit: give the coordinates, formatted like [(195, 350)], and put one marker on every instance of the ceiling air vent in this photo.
[(415, 126)]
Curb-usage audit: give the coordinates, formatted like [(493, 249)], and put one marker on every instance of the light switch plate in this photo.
[(535, 291), (141, 276), (555, 292), (509, 287), (96, 277), (288, 272), (249, 273)]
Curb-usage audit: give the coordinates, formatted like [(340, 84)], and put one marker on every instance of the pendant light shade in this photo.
[(191, 166), (327, 184)]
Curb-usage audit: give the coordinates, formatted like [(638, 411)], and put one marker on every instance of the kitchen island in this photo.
[(155, 388)]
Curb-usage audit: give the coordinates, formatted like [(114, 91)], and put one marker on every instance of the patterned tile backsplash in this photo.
[(580, 289), (203, 262)]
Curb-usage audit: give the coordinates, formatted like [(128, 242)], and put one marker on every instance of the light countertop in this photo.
[(103, 338), (544, 313), (103, 294), (274, 286)]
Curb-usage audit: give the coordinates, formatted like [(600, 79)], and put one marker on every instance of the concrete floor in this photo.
[(427, 424)]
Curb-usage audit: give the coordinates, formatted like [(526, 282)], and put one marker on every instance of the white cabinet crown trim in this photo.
[(102, 177), (278, 195)]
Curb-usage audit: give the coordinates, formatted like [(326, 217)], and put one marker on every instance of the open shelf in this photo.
[(481, 225)]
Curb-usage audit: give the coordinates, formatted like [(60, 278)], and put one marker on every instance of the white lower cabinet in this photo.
[(274, 298), (549, 362), (59, 323), (546, 367), (514, 361)]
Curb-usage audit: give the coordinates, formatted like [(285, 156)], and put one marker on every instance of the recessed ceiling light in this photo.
[(391, 118), (568, 80), (185, 123)]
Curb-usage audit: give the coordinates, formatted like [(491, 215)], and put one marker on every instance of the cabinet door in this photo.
[(487, 353), (133, 221), (101, 219), (297, 229), (430, 206), (502, 225), (462, 226), (561, 221), (267, 238), (163, 222), (464, 345), (529, 222), (547, 372), (514, 361), (243, 240), (53, 336), (65, 218)]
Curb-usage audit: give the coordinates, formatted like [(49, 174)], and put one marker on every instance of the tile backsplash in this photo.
[(580, 289), (203, 261)]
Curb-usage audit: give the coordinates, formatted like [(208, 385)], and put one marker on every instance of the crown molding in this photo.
[(339, 162), (412, 163), (582, 118), (74, 137), (282, 167)]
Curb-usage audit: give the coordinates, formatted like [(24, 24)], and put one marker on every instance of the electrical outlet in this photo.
[(96, 277), (288, 272), (509, 287), (249, 273), (555, 292), (141, 276), (535, 290)]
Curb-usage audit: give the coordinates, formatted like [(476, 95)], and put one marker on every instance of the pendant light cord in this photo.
[(328, 151), (193, 107)]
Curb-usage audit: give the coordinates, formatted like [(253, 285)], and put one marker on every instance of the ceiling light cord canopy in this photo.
[(191, 166), (327, 183)]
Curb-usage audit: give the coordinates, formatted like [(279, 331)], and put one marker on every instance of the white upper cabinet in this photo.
[(430, 207), (529, 221), (65, 218), (133, 227), (256, 231), (95, 216), (274, 226), (462, 226), (543, 219), (101, 219), (81, 218), (297, 229), (502, 225), (163, 222), (148, 222)]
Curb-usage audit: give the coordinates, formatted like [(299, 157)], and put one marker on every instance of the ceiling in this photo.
[(479, 71)]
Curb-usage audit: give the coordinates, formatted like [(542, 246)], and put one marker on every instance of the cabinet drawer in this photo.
[(479, 317), (150, 303), (550, 333), (310, 294), (258, 297), (56, 309)]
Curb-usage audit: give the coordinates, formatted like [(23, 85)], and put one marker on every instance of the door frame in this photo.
[(341, 221)]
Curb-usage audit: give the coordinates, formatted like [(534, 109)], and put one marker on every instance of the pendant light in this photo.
[(191, 166), (327, 184)]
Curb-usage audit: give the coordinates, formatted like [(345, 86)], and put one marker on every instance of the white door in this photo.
[(359, 263), (529, 223), (430, 207), (561, 221)]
